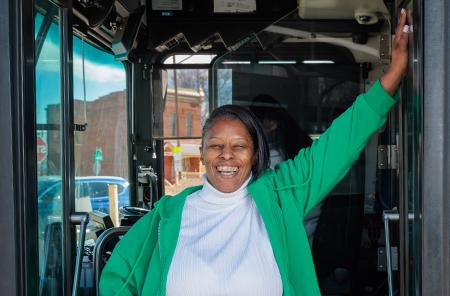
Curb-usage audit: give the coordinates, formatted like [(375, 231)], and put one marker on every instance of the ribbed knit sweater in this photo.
[(223, 248)]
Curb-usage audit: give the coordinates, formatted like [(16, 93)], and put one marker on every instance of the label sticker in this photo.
[(234, 6), (167, 5)]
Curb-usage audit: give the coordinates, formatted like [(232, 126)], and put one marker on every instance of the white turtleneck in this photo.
[(223, 248)]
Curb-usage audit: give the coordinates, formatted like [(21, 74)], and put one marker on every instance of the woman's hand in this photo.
[(399, 60)]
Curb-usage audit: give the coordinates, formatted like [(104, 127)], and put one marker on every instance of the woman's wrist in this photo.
[(391, 80)]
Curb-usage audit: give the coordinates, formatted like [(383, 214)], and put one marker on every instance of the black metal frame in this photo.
[(436, 176), (68, 171), (19, 248), (102, 244), (18, 177), (142, 118), (130, 126), (411, 146)]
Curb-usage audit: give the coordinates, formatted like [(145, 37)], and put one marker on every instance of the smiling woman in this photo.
[(233, 147), (241, 233)]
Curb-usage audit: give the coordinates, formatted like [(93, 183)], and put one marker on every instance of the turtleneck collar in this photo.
[(211, 195)]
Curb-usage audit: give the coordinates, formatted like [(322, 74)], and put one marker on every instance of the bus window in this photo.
[(186, 107), (101, 150), (49, 149)]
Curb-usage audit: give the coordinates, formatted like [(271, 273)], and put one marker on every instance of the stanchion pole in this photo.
[(113, 204)]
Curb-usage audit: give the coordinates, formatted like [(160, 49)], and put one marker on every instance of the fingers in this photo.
[(401, 22), (403, 29)]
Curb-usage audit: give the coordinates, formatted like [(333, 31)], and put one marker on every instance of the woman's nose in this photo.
[(227, 153)]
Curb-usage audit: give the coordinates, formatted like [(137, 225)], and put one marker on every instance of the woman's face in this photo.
[(228, 154)]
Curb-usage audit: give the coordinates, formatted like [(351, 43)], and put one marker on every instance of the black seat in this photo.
[(102, 251)]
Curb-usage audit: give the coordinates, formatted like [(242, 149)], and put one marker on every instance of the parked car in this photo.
[(91, 193)]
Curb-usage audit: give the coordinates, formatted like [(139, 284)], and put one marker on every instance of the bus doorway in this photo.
[(111, 94)]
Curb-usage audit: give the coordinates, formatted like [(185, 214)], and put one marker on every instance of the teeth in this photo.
[(227, 173), (225, 169)]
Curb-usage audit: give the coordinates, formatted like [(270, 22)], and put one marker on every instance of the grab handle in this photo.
[(390, 215), (81, 219)]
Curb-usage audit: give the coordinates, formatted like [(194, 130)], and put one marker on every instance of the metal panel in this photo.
[(8, 252), (68, 175), (18, 250), (436, 204)]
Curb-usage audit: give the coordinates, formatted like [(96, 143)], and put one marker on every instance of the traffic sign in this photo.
[(98, 155), (42, 149)]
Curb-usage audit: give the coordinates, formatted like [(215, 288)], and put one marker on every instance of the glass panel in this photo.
[(186, 102), (48, 117), (182, 165), (101, 151), (185, 110), (412, 155)]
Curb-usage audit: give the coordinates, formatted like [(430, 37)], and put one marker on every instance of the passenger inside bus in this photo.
[(240, 234)]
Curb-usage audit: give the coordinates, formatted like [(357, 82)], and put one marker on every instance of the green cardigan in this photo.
[(283, 196)]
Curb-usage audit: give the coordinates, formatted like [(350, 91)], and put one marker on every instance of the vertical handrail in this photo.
[(81, 219), (388, 216)]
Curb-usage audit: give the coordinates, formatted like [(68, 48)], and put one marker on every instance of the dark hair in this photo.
[(254, 128)]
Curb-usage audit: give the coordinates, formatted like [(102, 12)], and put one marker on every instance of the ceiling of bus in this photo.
[(364, 12), (160, 27)]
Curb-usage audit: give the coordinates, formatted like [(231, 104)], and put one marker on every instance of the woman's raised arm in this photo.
[(314, 172)]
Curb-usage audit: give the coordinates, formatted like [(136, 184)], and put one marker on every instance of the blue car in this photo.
[(91, 193)]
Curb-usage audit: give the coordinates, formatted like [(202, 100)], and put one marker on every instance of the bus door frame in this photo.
[(18, 209), (436, 165)]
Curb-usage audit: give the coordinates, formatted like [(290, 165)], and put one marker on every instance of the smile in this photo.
[(227, 171)]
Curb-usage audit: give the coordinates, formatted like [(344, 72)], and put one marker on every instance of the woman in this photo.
[(239, 234)]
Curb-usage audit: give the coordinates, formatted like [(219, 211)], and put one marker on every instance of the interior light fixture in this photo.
[(277, 62), (318, 62), (236, 62)]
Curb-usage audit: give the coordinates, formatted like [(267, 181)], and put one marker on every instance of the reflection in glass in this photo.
[(101, 151), (48, 146), (412, 145)]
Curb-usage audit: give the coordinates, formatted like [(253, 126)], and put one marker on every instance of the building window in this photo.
[(172, 124), (188, 124)]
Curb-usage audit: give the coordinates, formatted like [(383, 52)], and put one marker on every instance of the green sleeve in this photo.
[(314, 172), (118, 276), (115, 277)]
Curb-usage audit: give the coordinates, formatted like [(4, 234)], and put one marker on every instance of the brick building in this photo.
[(190, 115), (107, 132)]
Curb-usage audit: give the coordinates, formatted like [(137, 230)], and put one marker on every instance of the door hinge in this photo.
[(387, 157), (382, 260), (385, 42)]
